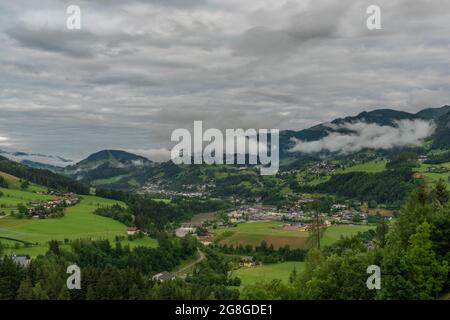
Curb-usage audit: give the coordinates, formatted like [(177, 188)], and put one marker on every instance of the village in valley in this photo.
[(49, 208), (299, 218)]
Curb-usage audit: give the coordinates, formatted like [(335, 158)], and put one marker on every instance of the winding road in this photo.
[(199, 259)]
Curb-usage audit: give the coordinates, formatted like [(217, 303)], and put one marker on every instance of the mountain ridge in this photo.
[(127, 168)]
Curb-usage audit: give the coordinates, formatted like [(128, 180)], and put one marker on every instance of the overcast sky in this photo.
[(139, 69)]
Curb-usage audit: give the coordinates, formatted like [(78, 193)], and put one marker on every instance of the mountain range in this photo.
[(124, 170)]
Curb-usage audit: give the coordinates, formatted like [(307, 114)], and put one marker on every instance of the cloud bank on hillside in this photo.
[(369, 136)]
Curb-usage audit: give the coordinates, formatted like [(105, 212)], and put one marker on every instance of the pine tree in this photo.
[(135, 293), (442, 195), (90, 295), (38, 293), (25, 290), (425, 272)]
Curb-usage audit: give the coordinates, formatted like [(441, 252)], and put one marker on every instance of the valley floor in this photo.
[(253, 233)]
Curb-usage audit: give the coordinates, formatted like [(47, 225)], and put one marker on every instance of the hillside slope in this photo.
[(42, 177)]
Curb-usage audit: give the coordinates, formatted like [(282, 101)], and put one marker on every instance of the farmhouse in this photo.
[(22, 261), (164, 276), (247, 262), (184, 231), (131, 231), (438, 170)]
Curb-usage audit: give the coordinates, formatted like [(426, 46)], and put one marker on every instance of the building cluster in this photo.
[(341, 213), (191, 228), (44, 208), (322, 167), (157, 189), (438, 169), (265, 213)]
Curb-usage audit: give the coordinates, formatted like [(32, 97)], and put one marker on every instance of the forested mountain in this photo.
[(106, 163), (43, 177), (433, 113), (123, 170), (442, 135)]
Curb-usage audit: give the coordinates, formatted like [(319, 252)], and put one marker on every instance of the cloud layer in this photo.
[(369, 136), (139, 69)]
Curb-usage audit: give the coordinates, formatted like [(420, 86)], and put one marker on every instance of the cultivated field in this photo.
[(253, 233)]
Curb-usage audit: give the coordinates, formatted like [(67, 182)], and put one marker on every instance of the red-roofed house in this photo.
[(132, 231)]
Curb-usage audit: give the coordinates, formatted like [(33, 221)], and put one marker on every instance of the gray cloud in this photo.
[(58, 41), (139, 69)]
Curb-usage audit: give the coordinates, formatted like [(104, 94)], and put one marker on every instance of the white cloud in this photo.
[(369, 136), (5, 142)]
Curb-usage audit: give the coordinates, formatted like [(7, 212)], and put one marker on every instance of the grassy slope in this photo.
[(254, 233), (78, 222), (100, 182), (434, 177), (371, 167), (12, 195), (14, 183), (280, 271)]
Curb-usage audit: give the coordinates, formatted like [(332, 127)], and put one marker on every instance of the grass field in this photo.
[(370, 167), (11, 198), (100, 182), (434, 177), (253, 233), (266, 273), (202, 217), (12, 195), (79, 222), (14, 183)]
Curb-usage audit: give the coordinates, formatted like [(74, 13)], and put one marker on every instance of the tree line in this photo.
[(413, 254), (117, 273), (42, 177)]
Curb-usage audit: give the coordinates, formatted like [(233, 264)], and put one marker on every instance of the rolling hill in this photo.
[(31, 235), (106, 164), (42, 177)]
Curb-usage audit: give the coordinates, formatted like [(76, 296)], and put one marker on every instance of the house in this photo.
[(164, 276), (182, 232), (247, 262), (131, 231), (22, 261), (191, 225)]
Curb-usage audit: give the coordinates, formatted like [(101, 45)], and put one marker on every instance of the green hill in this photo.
[(44, 178), (433, 113), (79, 221)]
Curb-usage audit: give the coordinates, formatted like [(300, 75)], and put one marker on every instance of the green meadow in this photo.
[(100, 182), (370, 167), (79, 222), (265, 273), (435, 177), (14, 183)]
